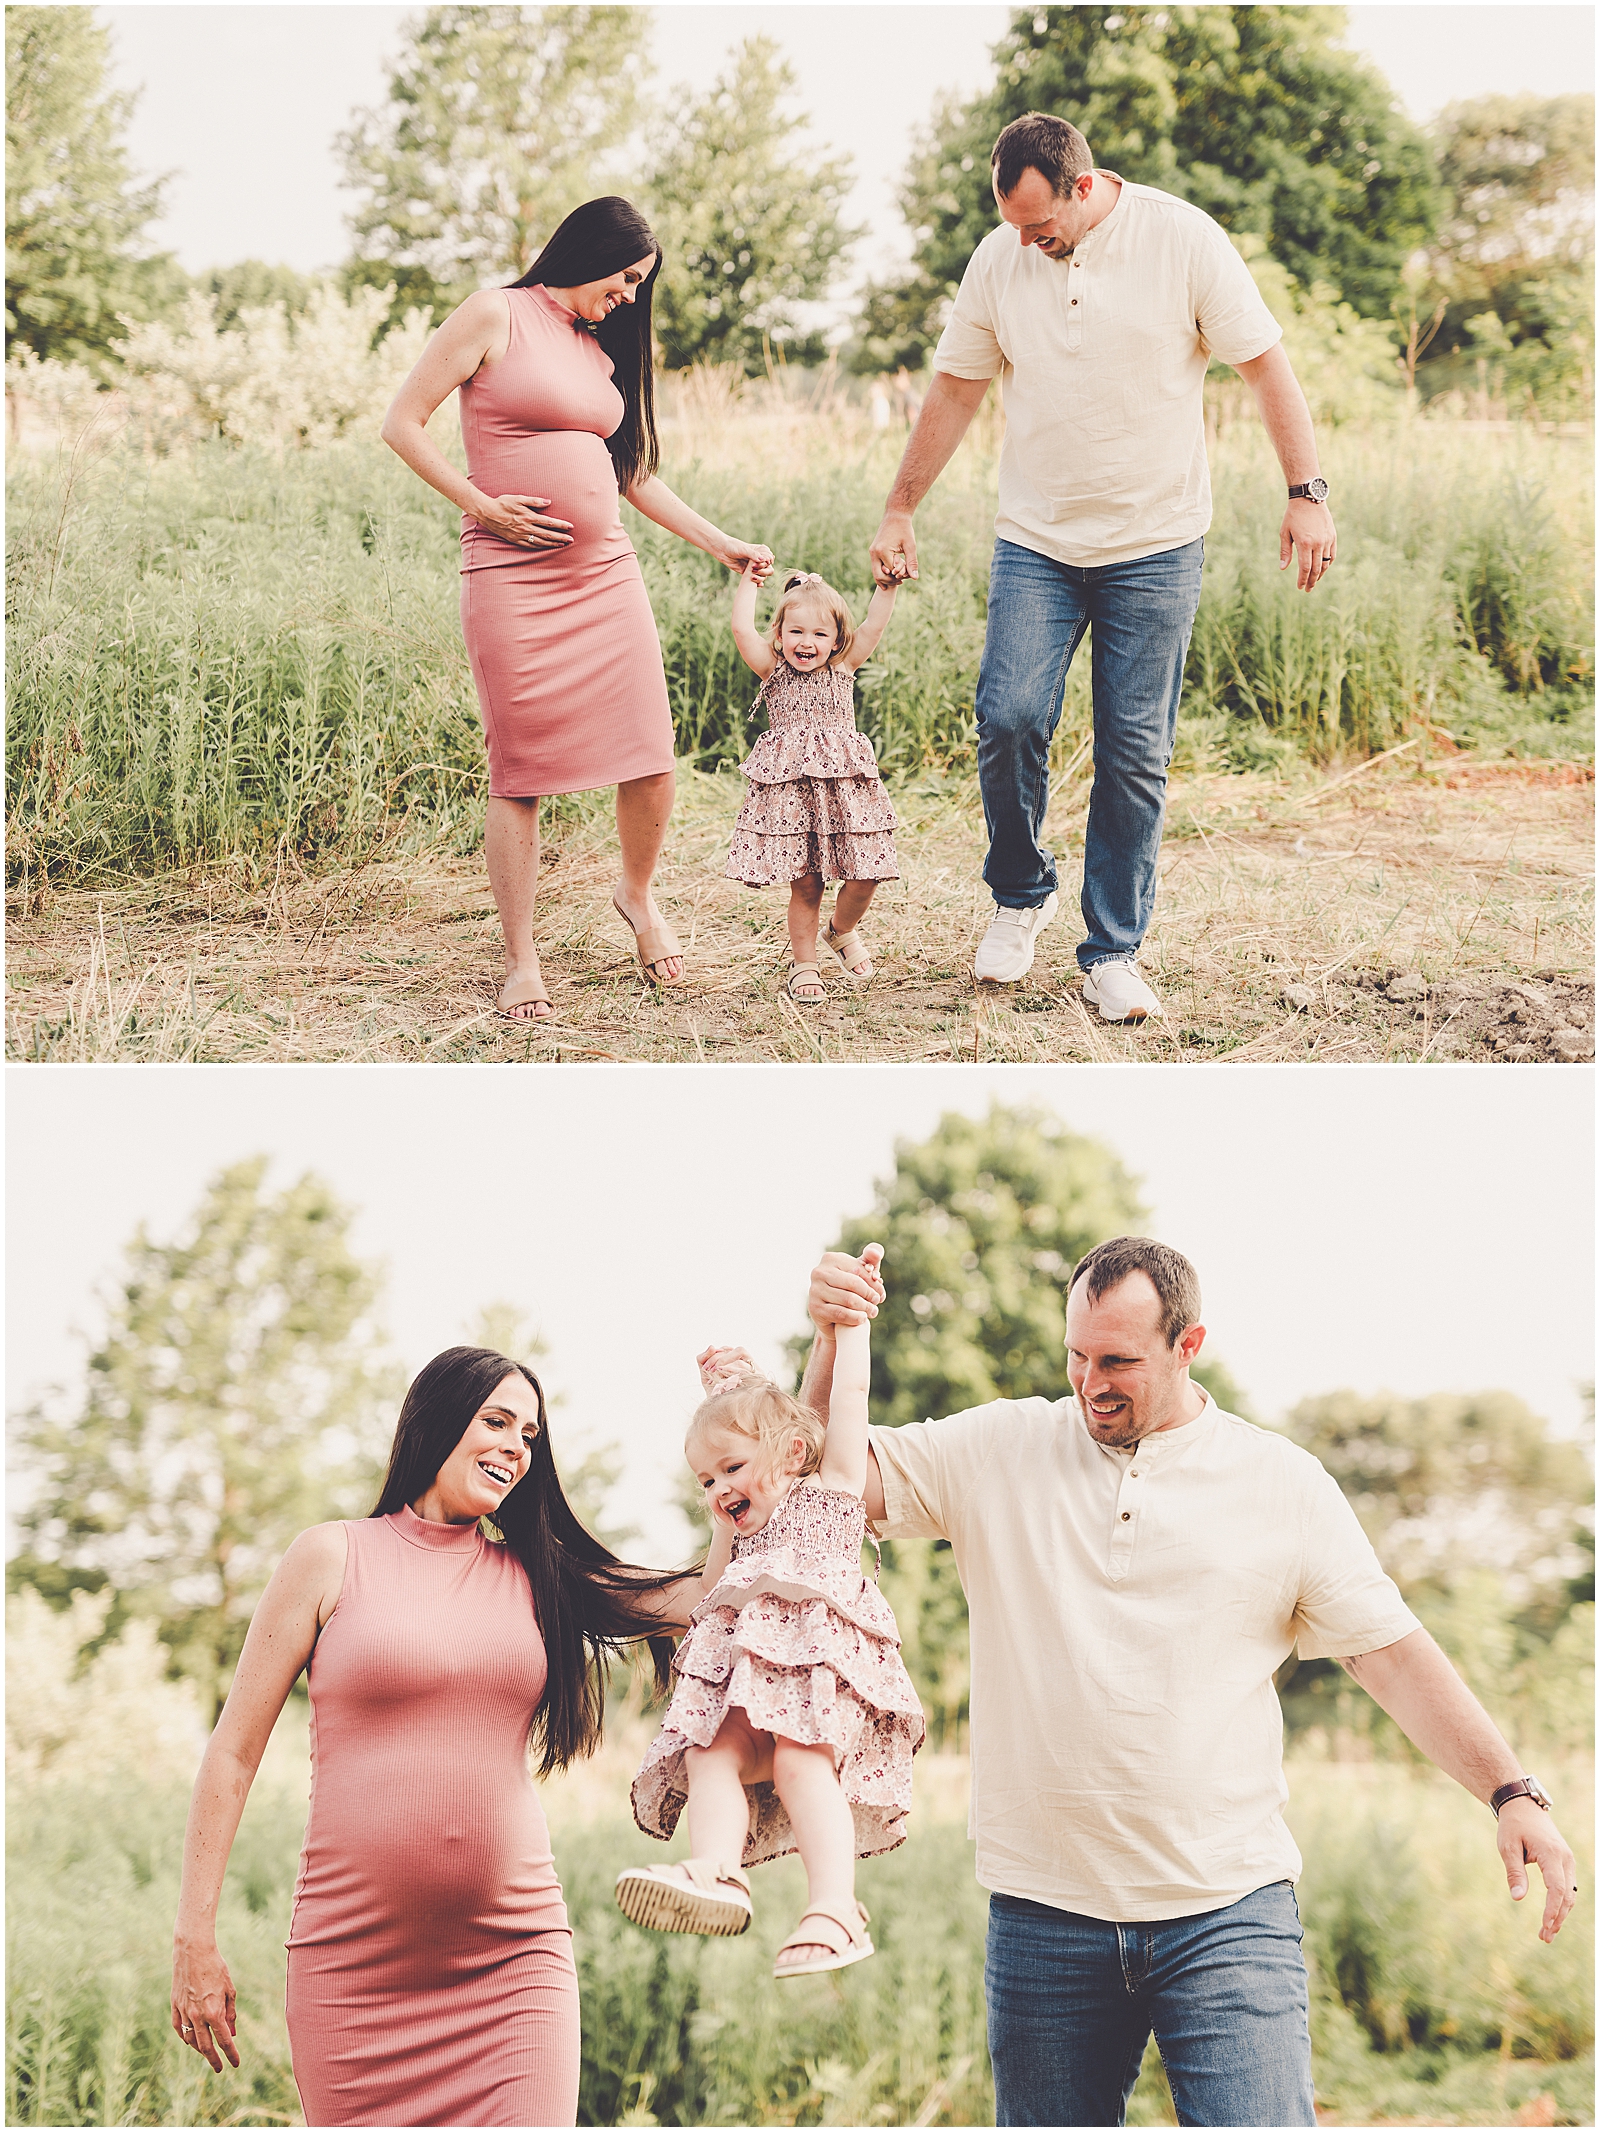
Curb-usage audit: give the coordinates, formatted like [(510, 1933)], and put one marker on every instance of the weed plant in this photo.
[(227, 655), (1433, 2000)]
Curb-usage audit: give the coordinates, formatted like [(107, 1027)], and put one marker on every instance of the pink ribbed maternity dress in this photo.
[(431, 1979), (562, 642)]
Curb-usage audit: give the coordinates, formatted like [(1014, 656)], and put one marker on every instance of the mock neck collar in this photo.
[(433, 1533)]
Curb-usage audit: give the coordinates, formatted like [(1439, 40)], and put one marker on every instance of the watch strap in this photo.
[(1524, 1788), (1310, 488)]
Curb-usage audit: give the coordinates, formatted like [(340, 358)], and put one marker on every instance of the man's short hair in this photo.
[(1175, 1281), (1038, 141)]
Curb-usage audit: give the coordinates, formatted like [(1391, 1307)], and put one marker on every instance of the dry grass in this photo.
[(1472, 876)]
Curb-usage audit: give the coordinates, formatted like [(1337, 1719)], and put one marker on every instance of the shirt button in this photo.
[(1126, 1515), (1074, 300), (1133, 1473)]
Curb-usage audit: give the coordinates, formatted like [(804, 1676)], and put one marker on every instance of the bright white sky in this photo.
[(1415, 1229), (243, 102)]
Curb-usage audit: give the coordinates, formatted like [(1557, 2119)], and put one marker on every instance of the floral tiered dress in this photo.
[(795, 1637), (816, 804)]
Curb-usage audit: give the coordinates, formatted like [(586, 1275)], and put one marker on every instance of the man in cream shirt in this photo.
[(1099, 304), (1137, 1565)]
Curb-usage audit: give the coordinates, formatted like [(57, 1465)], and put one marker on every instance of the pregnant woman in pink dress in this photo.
[(558, 420), (431, 1979)]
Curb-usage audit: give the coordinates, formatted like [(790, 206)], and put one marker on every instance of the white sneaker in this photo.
[(1005, 952), (1120, 993)]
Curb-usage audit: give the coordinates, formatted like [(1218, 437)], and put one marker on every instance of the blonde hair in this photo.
[(800, 586), (755, 1407)]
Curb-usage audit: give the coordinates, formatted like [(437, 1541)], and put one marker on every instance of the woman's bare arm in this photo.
[(303, 1592), (868, 636), (669, 511), (476, 332)]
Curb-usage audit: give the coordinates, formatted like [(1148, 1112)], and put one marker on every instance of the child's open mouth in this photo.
[(737, 1510)]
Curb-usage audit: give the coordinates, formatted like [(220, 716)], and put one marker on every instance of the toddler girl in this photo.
[(793, 1722), (816, 810)]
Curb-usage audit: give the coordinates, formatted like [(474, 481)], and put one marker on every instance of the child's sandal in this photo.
[(694, 1896), (805, 986), (845, 1942), (853, 956)]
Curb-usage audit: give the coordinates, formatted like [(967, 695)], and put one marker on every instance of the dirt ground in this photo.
[(1398, 911)]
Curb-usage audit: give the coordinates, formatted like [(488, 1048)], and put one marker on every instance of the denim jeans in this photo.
[(1143, 613), (1072, 2002)]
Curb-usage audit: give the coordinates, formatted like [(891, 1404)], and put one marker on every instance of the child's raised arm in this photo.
[(754, 649), (844, 1455), (867, 637)]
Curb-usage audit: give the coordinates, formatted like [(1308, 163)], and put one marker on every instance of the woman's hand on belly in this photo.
[(518, 520)]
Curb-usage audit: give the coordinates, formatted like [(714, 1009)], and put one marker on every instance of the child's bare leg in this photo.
[(805, 904), (719, 1807), (849, 908), (824, 1830)]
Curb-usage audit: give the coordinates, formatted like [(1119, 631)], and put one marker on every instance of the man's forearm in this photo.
[(1433, 1706), (946, 416), (1284, 413)]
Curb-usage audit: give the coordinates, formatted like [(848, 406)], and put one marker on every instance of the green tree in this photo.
[(77, 257), (1485, 1521), (252, 285), (1510, 275), (1260, 115), (239, 1394), (751, 224), (499, 121)]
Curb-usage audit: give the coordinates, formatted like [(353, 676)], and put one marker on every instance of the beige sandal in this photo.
[(805, 986), (696, 1896), (530, 992), (846, 1943), (853, 957), (656, 944)]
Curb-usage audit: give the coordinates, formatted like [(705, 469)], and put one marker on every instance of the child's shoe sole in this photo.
[(666, 1899)]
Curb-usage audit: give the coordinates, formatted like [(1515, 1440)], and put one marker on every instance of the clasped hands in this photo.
[(844, 1291)]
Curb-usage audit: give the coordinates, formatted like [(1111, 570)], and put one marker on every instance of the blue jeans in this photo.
[(1143, 614), (1072, 2001)]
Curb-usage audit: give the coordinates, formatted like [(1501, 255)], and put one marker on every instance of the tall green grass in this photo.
[(1433, 2000), (233, 656)]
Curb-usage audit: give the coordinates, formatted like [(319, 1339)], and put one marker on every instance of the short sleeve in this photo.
[(1229, 309), (1348, 1605), (969, 346)]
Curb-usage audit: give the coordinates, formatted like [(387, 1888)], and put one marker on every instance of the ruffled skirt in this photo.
[(815, 805), (805, 1659)]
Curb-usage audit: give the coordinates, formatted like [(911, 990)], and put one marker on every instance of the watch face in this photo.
[(1317, 489)]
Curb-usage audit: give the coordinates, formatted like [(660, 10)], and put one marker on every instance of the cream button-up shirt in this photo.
[(1102, 359), (1128, 1611)]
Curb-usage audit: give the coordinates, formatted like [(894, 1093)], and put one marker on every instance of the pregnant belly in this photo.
[(424, 1879), (574, 470)]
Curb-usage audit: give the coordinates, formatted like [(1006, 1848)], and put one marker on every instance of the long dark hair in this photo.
[(597, 239), (584, 1599)]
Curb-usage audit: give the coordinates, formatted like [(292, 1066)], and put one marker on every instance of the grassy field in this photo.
[(1436, 909), (1434, 2003), (246, 782)]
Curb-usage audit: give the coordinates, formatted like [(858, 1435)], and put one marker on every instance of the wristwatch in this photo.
[(1524, 1788), (1316, 489)]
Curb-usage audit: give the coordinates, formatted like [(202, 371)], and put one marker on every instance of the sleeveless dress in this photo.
[(796, 1637), (816, 804), (562, 643), (431, 1979)]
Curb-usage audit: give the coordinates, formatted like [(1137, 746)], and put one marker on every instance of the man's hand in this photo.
[(1527, 1832), (843, 1291), (894, 549), (1307, 533)]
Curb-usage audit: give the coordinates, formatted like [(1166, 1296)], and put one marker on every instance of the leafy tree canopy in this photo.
[(237, 1396), (750, 223), (499, 122), (1260, 115), (77, 258)]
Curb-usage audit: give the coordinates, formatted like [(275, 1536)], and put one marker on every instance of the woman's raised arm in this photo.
[(303, 1592)]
